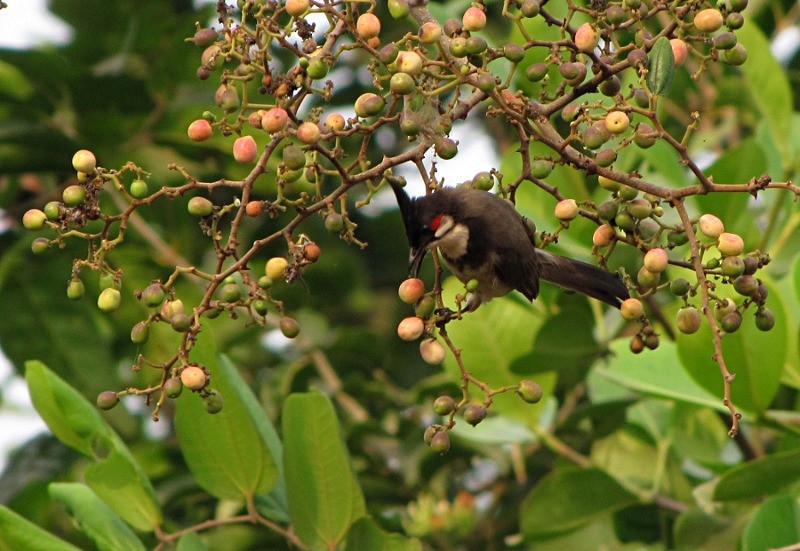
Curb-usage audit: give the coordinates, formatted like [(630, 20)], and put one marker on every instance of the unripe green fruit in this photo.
[(388, 54), (293, 157), (570, 112), (708, 20), (746, 285), (172, 308), (193, 377), (73, 195), (607, 210), (723, 308), (109, 300), (139, 189), (402, 84), (107, 400), (567, 210), (712, 263), (173, 387), (275, 268), (485, 82), (84, 161), (261, 307), (514, 52), (765, 319), (606, 157), (200, 206), (529, 391), (735, 56), (230, 292), (680, 287), (411, 328), (593, 138), (738, 5), (440, 442), (432, 351), (646, 278), (410, 126), (625, 221), (536, 72), (445, 148), (444, 405), (399, 9), (476, 45), (611, 86), (334, 222), (458, 46), (725, 41), (205, 37), (153, 295), (140, 333), (34, 220), (631, 309), (289, 327), (731, 322), (647, 229), (52, 210), (483, 181), (541, 168), (644, 136), (368, 105), (732, 266), (40, 245), (688, 320), (474, 414), (640, 208), (212, 402), (180, 323), (734, 21), (587, 37), (317, 68), (229, 100), (530, 8), (608, 184), (411, 290), (75, 289)]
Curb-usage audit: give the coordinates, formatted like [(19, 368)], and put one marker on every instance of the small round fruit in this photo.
[(432, 351), (731, 322), (646, 278), (640, 208), (193, 377), (483, 181), (254, 208), (399, 9), (334, 222), (445, 148), (536, 72), (296, 8), (732, 266), (711, 226), (474, 414), (746, 285), (73, 195), (275, 268), (205, 37), (429, 433), (680, 51), (603, 235), (617, 122), (293, 157), (680, 287), (107, 399), (606, 157), (173, 387), (180, 323), (567, 210), (308, 133), (275, 120), (153, 295), (656, 260), (530, 391), (409, 62), (368, 26), (444, 405), (688, 320), (587, 37), (311, 252), (632, 309), (440, 442), (212, 402), (75, 289), (411, 290), (40, 245), (200, 130), (289, 327), (52, 210), (541, 168), (765, 319), (474, 19), (245, 149), (708, 20), (402, 84), (140, 333), (84, 161), (411, 328), (109, 300), (608, 184), (637, 344), (730, 244), (335, 122), (368, 105), (607, 210), (34, 219), (139, 189), (200, 206), (430, 32), (644, 136)]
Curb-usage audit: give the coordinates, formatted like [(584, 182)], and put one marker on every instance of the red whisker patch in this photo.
[(436, 222)]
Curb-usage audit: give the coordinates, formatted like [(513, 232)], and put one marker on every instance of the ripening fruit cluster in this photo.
[(412, 291)]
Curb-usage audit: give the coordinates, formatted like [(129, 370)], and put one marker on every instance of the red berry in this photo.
[(411, 290), (200, 130), (245, 149)]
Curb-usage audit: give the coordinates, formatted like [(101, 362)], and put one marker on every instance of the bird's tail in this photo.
[(583, 278)]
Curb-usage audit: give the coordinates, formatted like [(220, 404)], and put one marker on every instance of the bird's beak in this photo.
[(415, 258)]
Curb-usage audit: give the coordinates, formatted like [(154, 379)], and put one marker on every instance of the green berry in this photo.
[(153, 295), (541, 168), (140, 333), (109, 300), (52, 210), (230, 292), (440, 442), (293, 157), (139, 189), (732, 266), (75, 289), (731, 322), (173, 387), (107, 399), (529, 391), (34, 220), (444, 405), (289, 327), (474, 414), (536, 72), (180, 322), (200, 206), (40, 245), (680, 287), (212, 402), (765, 319), (688, 320)]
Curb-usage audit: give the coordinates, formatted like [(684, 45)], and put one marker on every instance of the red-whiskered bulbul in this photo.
[(482, 237)]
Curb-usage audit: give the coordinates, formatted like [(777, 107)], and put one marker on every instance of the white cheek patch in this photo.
[(445, 226), (453, 244)]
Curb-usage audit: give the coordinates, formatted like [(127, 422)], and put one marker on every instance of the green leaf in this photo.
[(495, 430), (365, 534), (661, 67), (696, 529), (490, 340), (191, 541), (775, 524), (13, 82), (104, 527), (229, 453), (758, 374), (760, 477), (70, 417), (656, 373), (122, 485), (569, 498), (18, 533), (768, 85), (324, 496)]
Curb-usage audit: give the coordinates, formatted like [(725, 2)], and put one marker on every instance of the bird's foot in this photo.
[(445, 314)]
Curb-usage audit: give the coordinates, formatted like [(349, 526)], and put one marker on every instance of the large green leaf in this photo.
[(324, 496), (365, 534), (104, 527), (570, 498), (191, 541), (775, 524), (755, 357), (229, 453), (768, 85), (18, 533), (760, 477)]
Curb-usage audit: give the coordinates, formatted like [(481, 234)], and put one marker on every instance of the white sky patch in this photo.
[(27, 23)]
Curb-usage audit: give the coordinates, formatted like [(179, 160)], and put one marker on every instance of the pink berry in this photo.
[(245, 149), (200, 130)]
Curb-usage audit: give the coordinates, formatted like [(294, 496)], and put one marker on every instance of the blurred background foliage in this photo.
[(652, 427)]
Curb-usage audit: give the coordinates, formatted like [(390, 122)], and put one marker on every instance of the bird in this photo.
[(482, 237)]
